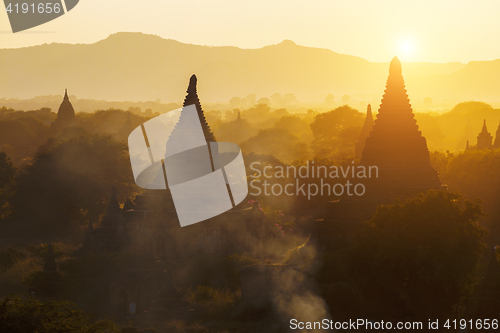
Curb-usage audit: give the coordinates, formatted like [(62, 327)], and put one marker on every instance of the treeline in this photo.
[(96, 145)]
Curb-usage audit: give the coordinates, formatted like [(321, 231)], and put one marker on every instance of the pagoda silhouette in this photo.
[(397, 149), (66, 113), (365, 132), (484, 139)]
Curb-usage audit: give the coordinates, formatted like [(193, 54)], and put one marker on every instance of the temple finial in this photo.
[(66, 94), (192, 84), (192, 99), (369, 110), (395, 67)]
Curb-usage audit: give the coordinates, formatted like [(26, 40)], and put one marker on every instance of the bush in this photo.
[(212, 303), (19, 314), (234, 263), (9, 256)]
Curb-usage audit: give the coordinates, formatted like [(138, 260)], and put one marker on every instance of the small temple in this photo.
[(66, 113), (365, 132), (484, 139)]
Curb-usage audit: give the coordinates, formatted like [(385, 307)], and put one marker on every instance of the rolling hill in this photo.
[(139, 67)]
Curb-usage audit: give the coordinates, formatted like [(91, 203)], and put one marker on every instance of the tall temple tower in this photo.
[(397, 147), (192, 98), (66, 113), (484, 139), (365, 132)]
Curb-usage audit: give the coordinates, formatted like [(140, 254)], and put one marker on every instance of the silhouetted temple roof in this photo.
[(66, 111), (484, 139), (128, 205), (395, 143), (484, 130), (395, 67), (365, 132), (192, 98)]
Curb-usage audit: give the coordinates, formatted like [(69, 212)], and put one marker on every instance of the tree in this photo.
[(336, 132), (235, 102), (71, 182), (420, 255), (26, 314), (264, 100), (7, 173), (289, 99), (296, 126), (277, 142), (251, 99), (475, 174), (346, 99), (329, 99), (276, 98)]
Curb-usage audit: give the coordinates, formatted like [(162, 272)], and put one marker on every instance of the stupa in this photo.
[(66, 113), (484, 139), (397, 154), (397, 147), (365, 132)]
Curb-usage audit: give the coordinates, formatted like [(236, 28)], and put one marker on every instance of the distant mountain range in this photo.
[(139, 67)]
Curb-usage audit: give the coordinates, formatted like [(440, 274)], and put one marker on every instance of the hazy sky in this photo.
[(436, 31)]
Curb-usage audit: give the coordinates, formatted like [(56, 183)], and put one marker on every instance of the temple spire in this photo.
[(484, 129), (484, 139), (128, 205), (66, 113), (395, 67), (192, 98), (365, 132), (396, 146), (467, 147)]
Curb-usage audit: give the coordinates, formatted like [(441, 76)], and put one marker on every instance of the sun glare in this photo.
[(406, 49)]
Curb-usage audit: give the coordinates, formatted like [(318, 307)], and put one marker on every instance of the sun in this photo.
[(406, 49)]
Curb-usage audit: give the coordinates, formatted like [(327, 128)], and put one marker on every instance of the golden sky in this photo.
[(434, 31)]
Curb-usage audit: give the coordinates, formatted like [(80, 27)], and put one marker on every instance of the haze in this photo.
[(430, 31)]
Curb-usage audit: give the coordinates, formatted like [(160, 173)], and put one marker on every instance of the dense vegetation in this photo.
[(428, 250)]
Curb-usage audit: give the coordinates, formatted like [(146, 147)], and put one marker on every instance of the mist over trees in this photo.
[(417, 259)]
